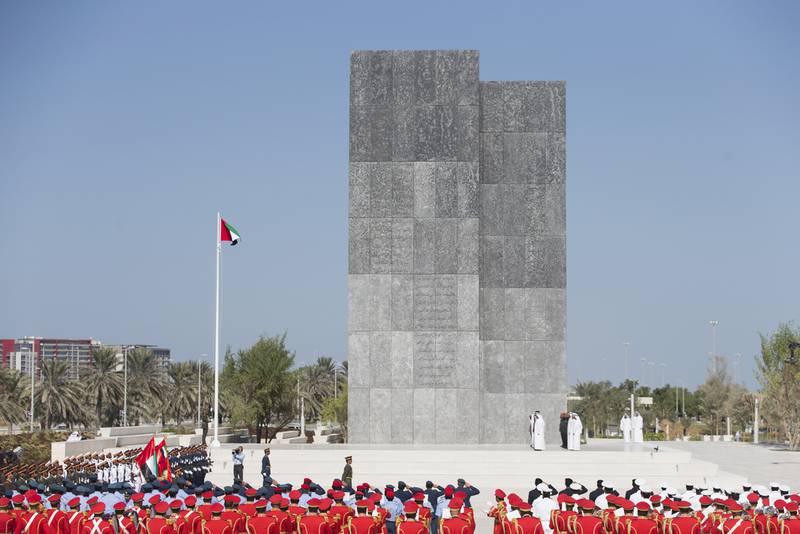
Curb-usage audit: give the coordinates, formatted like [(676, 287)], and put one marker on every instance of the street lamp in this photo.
[(125, 384), (713, 344), (627, 345), (644, 363)]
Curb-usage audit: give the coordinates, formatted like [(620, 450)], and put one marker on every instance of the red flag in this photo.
[(147, 453), (164, 472)]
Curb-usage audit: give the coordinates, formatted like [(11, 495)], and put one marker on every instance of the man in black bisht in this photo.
[(562, 427)]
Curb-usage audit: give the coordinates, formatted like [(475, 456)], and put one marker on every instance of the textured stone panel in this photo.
[(514, 209), (468, 368), (370, 77), (370, 133), (380, 246), (492, 312), (425, 245), (491, 261), (402, 360), (446, 415), (401, 417), (536, 317), (525, 158), (546, 262), (446, 302), (402, 245), (514, 365), (403, 190), (359, 302), (546, 210), (556, 159), (468, 302), (403, 74), (467, 204), (467, 246), (446, 92), (424, 190), (358, 415), (428, 370), (446, 246), (493, 418), (427, 133), (534, 106), (492, 160), (491, 107), (467, 134), (380, 429), (424, 411), (424, 77), (515, 313), (358, 246), (467, 83), (380, 350), (402, 302), (545, 366), (514, 266), (424, 302), (468, 413), (359, 178), (493, 378), (556, 315), (446, 190), (404, 133), (358, 359), (380, 309), (381, 196)]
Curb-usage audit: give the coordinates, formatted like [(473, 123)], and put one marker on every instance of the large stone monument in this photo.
[(457, 258)]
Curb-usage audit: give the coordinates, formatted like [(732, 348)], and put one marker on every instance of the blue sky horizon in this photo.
[(125, 127)]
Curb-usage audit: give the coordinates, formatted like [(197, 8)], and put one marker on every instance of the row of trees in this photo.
[(260, 387), (601, 404)]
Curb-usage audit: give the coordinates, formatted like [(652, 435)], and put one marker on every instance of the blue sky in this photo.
[(125, 126)]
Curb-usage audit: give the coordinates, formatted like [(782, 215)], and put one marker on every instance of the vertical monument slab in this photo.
[(456, 272)]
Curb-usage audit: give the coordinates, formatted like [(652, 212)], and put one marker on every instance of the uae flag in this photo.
[(154, 458), (228, 232)]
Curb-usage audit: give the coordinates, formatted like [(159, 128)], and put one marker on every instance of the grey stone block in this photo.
[(381, 196), (404, 133), (403, 78), (556, 159), (380, 350), (556, 315), (428, 370), (446, 415), (425, 317), (424, 190), (403, 190), (467, 431), (380, 429), (370, 133), (370, 77), (359, 178), (424, 411), (515, 366), (358, 359), (491, 107), (401, 418), (468, 302), (493, 418), (446, 131), (445, 78), (467, 204), (446, 246), (358, 302), (534, 106), (515, 314), (467, 133), (380, 246), (492, 312), (544, 366), (546, 262), (427, 133), (493, 366), (491, 210), (467, 246), (525, 158), (492, 164), (402, 245), (402, 302), (468, 356), (425, 245), (516, 418), (358, 414), (446, 302), (546, 210), (514, 265), (467, 79), (402, 360), (424, 77), (380, 309), (536, 318), (492, 268), (446, 190), (514, 209), (358, 246)]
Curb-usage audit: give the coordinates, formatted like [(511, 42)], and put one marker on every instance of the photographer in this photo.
[(238, 465)]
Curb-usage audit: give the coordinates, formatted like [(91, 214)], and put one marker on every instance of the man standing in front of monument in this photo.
[(563, 426), (537, 431), (347, 474), (625, 428), (574, 430), (266, 469)]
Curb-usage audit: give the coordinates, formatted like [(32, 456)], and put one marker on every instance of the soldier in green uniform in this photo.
[(347, 474)]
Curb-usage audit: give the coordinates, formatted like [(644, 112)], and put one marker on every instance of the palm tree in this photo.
[(58, 399), (146, 385), (182, 389), (11, 395), (104, 385), (317, 384)]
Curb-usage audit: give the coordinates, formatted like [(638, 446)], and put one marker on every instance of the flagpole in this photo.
[(215, 442)]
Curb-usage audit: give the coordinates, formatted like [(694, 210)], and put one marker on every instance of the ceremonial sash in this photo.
[(52, 516), (96, 527), (74, 517), (30, 522)]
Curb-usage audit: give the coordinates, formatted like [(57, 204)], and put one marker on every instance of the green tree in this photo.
[(717, 392), (258, 386), (601, 404), (181, 387), (317, 385), (12, 389), (146, 386), (335, 410), (779, 375), (104, 385), (58, 399)]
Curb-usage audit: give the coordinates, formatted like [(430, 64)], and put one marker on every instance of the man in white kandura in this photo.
[(574, 429), (625, 428), (638, 428), (537, 431)]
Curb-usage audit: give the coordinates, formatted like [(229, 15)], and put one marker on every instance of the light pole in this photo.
[(644, 363), (713, 344), (663, 368), (125, 385), (32, 364), (627, 345)]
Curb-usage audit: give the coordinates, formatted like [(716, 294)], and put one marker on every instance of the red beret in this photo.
[(98, 508), (455, 504), (325, 505), (780, 504), (294, 495), (791, 506), (217, 508), (313, 503), (54, 498), (643, 506), (191, 500), (4, 502), (337, 495), (136, 497), (18, 498), (448, 491), (419, 496), (410, 507), (524, 506), (175, 504), (306, 481), (73, 502), (514, 499), (500, 494), (155, 499), (162, 507), (389, 493), (260, 504), (284, 503), (35, 499), (231, 499), (275, 499), (655, 499), (250, 492), (563, 498), (336, 484), (91, 500), (119, 506), (585, 504)]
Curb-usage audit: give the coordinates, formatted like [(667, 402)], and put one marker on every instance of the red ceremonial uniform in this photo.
[(790, 526), (498, 514), (236, 518), (527, 525), (642, 525), (282, 519), (190, 522), (313, 524), (159, 525), (295, 513), (410, 526), (126, 525), (75, 522), (32, 523), (97, 525), (57, 521), (338, 515), (217, 525), (587, 524), (7, 522), (682, 525), (455, 525), (362, 524), (738, 525), (262, 524)]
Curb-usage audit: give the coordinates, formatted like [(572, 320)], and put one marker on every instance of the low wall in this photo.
[(61, 449)]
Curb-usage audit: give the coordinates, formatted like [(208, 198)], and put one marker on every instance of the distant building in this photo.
[(19, 353)]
